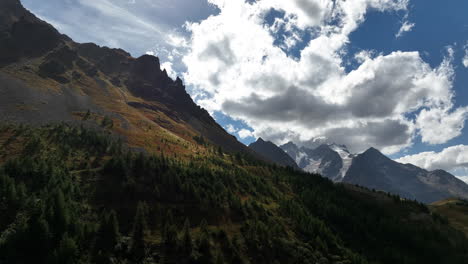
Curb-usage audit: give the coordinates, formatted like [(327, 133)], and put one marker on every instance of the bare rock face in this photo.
[(25, 38), (374, 170), (23, 35), (274, 153), (330, 161), (146, 78), (109, 61), (53, 69)]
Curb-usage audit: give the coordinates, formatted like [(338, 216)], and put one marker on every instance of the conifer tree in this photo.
[(61, 215), (187, 243), (67, 252), (108, 233), (139, 228)]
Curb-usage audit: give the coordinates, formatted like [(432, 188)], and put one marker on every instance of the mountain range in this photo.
[(105, 159), (370, 169), (47, 77)]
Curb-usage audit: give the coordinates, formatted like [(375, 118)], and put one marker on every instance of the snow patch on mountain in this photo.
[(346, 157), (314, 166), (330, 160)]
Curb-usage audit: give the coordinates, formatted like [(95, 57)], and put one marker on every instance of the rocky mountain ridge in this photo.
[(374, 170), (47, 77), (272, 152)]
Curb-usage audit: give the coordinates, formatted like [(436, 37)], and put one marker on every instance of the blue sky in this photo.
[(438, 24), (382, 73)]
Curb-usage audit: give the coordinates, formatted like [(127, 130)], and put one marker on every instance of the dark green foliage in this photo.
[(67, 251), (137, 249), (108, 234), (200, 140), (82, 197), (187, 243), (107, 122), (87, 115)]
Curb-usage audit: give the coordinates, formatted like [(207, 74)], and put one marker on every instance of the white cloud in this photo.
[(234, 63), (439, 125), (231, 129), (453, 159), (465, 58), (405, 27), (364, 55), (135, 26), (244, 133)]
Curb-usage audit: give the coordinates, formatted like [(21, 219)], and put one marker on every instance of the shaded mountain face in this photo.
[(374, 170), (22, 35), (272, 152), (47, 77), (331, 161)]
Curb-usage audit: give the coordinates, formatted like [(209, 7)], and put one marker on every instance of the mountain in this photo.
[(47, 77), (330, 160), (272, 152), (104, 159), (374, 170)]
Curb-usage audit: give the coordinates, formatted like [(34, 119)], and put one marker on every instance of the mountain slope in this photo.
[(455, 211), (75, 195), (272, 152), (48, 77), (374, 170), (332, 161)]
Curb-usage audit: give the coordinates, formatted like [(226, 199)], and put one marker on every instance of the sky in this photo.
[(391, 74)]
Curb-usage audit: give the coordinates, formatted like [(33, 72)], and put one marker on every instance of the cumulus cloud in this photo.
[(237, 66), (231, 129), (453, 159), (439, 125), (285, 78), (244, 133)]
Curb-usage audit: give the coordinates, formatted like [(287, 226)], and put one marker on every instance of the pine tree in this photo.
[(87, 115), (67, 252), (187, 243), (139, 228), (170, 236), (113, 228), (108, 233), (39, 237), (61, 217)]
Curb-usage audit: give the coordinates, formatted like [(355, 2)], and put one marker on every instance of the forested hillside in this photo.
[(71, 194)]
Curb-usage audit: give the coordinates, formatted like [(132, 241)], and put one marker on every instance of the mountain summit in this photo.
[(372, 169), (272, 152), (47, 77), (330, 160)]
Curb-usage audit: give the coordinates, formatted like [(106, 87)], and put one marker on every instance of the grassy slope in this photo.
[(455, 210), (254, 213), (141, 128)]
